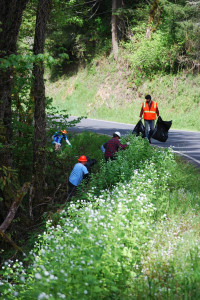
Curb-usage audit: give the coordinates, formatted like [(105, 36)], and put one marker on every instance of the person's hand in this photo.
[(140, 118)]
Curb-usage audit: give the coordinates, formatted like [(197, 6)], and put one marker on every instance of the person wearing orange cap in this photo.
[(78, 173), (58, 137)]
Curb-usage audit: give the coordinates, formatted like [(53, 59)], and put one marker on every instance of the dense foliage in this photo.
[(82, 29), (79, 30), (154, 37), (171, 46), (58, 168), (120, 240)]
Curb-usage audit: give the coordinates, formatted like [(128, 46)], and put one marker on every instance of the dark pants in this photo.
[(71, 190)]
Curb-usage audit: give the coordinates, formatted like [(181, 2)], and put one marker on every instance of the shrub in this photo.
[(118, 243)]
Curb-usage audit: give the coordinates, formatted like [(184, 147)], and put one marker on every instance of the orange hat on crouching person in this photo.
[(82, 158)]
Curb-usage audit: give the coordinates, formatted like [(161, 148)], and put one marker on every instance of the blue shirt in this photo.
[(77, 173), (57, 138)]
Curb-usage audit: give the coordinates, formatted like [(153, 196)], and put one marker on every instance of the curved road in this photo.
[(185, 143)]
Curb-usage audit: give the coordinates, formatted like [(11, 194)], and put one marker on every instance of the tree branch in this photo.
[(8, 240), (14, 207)]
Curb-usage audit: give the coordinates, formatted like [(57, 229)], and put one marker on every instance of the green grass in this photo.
[(108, 91), (132, 233)]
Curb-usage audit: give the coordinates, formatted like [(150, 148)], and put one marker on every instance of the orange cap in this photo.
[(64, 131), (82, 158)]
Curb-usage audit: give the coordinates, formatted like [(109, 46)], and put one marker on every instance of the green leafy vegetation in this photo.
[(133, 234), (132, 231), (157, 55)]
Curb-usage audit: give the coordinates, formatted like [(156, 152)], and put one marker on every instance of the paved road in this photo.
[(186, 143)]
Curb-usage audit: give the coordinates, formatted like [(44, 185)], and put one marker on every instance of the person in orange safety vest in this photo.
[(149, 111)]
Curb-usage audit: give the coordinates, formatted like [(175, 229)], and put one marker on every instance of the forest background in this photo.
[(97, 59)]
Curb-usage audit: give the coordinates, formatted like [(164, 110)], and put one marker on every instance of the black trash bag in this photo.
[(160, 133), (90, 162), (139, 129)]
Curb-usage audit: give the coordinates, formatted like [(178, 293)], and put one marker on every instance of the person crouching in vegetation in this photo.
[(58, 137), (149, 111), (113, 145), (78, 173)]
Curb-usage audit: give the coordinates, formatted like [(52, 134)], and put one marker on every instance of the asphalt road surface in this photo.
[(185, 143)]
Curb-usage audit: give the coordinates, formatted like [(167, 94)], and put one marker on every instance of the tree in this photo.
[(116, 4), (114, 29), (43, 10), (10, 20), (152, 14)]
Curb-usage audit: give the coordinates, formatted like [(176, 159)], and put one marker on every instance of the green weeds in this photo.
[(122, 239)]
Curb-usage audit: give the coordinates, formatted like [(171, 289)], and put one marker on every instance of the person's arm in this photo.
[(85, 170), (105, 145), (85, 173), (157, 111), (86, 176), (67, 141), (122, 146)]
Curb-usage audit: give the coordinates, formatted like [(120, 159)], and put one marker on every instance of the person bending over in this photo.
[(113, 146), (58, 137), (78, 173)]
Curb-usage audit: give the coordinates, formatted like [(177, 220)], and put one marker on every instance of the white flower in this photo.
[(46, 273), (38, 276), (61, 295), (22, 278), (43, 296)]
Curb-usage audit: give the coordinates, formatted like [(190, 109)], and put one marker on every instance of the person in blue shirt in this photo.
[(78, 173), (58, 137)]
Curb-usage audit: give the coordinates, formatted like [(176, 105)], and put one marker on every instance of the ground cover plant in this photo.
[(24, 229), (61, 163), (133, 235)]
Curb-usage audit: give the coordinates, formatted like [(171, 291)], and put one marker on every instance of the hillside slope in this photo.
[(109, 90)]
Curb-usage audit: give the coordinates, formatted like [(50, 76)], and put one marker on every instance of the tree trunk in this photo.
[(14, 207), (115, 23), (151, 18), (40, 102), (114, 29), (10, 20)]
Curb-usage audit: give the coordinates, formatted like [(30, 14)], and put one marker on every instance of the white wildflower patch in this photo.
[(111, 240)]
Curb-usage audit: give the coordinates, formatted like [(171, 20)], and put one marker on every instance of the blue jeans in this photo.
[(149, 124)]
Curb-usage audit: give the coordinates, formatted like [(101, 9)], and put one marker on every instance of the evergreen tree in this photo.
[(39, 101), (10, 20)]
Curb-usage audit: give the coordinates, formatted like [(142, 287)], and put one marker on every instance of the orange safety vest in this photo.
[(147, 113)]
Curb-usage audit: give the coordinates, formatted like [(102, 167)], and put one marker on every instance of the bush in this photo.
[(120, 243), (151, 56)]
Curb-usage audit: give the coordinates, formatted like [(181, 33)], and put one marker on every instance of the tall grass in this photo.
[(110, 91), (123, 239)]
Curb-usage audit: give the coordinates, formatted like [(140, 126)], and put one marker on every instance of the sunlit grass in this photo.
[(105, 91)]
